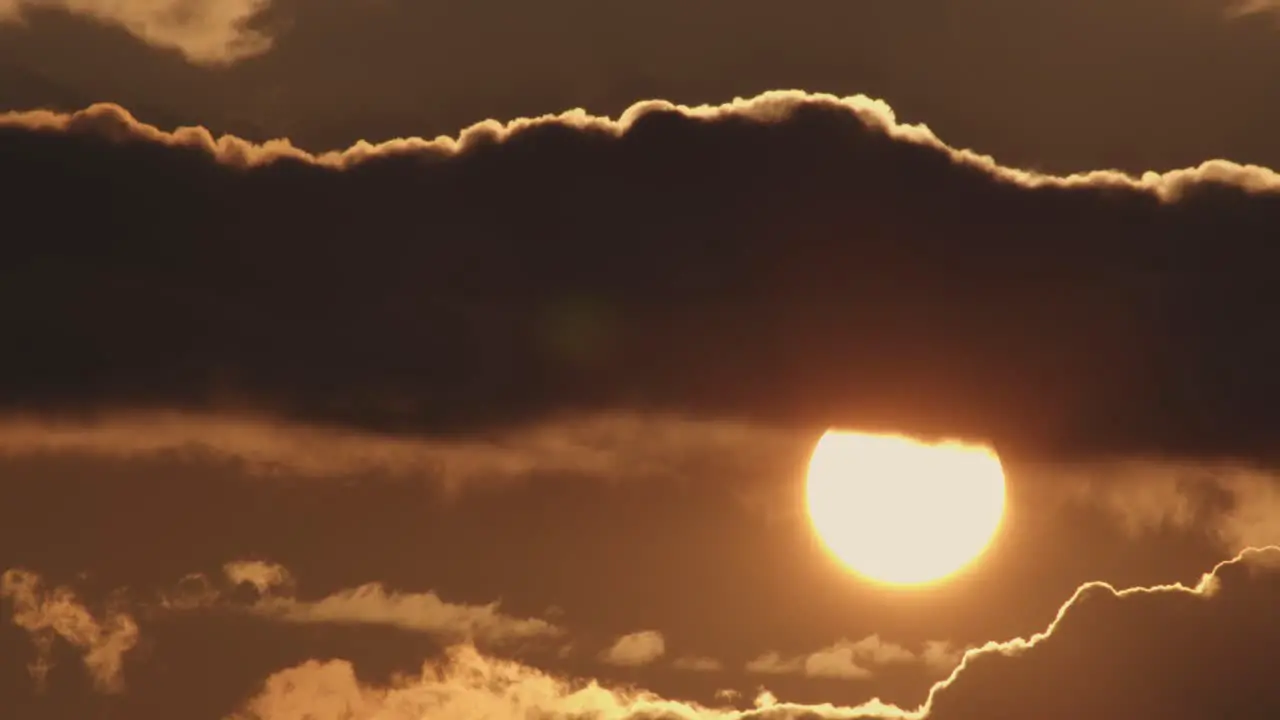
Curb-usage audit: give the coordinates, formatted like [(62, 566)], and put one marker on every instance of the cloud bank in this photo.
[(1094, 660), (1213, 647), (787, 259)]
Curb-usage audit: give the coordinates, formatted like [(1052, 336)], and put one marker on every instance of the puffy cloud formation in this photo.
[(1169, 651), (789, 258), (206, 32), (635, 649), (53, 613), (854, 660)]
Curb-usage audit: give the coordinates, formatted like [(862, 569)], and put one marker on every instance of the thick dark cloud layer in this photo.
[(789, 259)]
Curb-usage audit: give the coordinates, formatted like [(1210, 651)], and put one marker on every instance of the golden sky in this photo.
[(350, 373)]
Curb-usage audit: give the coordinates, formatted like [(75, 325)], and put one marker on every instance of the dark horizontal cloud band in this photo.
[(789, 259)]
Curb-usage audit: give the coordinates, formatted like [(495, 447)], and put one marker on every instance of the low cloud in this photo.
[(616, 447), (941, 655), (697, 663), (1235, 505), (265, 577), (1214, 643), (847, 659), (1246, 8), (50, 614), (635, 649), (205, 32), (369, 604)]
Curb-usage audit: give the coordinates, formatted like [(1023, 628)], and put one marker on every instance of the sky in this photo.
[(377, 360)]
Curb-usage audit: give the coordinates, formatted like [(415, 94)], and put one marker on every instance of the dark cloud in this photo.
[(788, 259), (1167, 651)]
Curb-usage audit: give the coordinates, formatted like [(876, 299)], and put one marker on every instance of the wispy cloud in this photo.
[(207, 32), (48, 614), (850, 659), (1235, 505), (616, 447), (369, 604), (697, 663)]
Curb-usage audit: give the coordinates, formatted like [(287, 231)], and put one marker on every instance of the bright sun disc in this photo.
[(900, 511)]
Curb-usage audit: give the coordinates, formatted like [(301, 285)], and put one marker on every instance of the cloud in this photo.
[(49, 614), (941, 655), (1245, 8), (786, 260), (206, 32), (368, 604), (847, 659), (613, 446), (635, 649), (265, 577), (1211, 646), (1234, 504), (697, 663)]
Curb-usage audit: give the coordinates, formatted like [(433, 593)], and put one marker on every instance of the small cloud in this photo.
[(1234, 505), (635, 649), (263, 576), (696, 663), (772, 663), (941, 656), (765, 699), (205, 32), (368, 604), (846, 659), (426, 612), (57, 613)]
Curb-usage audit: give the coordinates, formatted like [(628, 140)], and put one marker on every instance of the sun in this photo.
[(900, 511)]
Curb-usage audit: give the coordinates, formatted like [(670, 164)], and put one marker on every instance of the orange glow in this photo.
[(903, 512)]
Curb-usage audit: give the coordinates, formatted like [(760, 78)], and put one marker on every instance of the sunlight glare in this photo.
[(900, 511)]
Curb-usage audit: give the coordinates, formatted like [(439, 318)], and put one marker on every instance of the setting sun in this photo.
[(900, 511)]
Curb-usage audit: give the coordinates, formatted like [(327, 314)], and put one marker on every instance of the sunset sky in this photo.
[(406, 359)]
